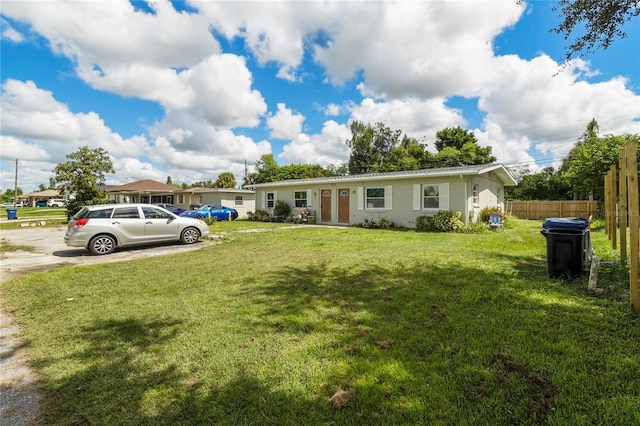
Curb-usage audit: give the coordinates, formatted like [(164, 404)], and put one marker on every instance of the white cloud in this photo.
[(327, 147), (34, 116), (418, 119), (333, 110), (223, 94), (10, 33), (121, 50), (285, 124), (551, 109)]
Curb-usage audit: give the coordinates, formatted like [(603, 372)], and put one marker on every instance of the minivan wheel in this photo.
[(102, 244), (190, 236)]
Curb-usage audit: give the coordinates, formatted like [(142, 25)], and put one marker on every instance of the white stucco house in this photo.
[(397, 196)]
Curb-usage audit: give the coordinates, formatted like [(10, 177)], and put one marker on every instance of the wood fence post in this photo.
[(634, 224), (607, 202), (622, 164), (614, 207)]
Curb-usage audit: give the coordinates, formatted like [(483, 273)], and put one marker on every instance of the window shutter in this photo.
[(416, 196), (388, 197), (309, 202), (444, 196), (275, 197), (360, 198), (263, 200)]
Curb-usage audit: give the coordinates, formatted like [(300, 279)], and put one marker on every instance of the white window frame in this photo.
[(426, 198), (475, 193), (419, 197), (180, 198), (238, 200), (363, 199), (270, 203), (300, 202)]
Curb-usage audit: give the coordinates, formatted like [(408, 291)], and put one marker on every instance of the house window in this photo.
[(238, 200), (300, 198), (271, 200), (476, 194), (375, 198), (181, 199), (431, 197)]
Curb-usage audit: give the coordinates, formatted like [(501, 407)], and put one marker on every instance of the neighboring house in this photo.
[(397, 196), (142, 191), (31, 198), (151, 191), (243, 200)]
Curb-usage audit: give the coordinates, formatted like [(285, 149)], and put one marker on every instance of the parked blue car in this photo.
[(218, 211)]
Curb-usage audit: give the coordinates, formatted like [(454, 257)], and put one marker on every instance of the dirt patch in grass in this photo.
[(540, 392)]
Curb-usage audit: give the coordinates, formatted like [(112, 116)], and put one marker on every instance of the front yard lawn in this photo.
[(318, 325)]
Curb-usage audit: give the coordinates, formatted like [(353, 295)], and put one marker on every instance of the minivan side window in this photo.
[(99, 214), (151, 213), (126, 213)]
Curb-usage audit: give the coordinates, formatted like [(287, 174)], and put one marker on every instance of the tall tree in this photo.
[(457, 146), (225, 180), (267, 170), (378, 148), (591, 158), (549, 184), (82, 177), (601, 21)]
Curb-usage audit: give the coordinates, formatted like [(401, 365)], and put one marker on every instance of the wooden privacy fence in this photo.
[(622, 205), (545, 209)]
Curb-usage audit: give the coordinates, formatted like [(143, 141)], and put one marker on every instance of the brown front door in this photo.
[(325, 205), (343, 205)]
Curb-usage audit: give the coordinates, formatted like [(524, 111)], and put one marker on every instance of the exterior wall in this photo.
[(228, 199), (404, 204), (490, 194)]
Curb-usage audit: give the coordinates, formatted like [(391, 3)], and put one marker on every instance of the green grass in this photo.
[(413, 328), (52, 216)]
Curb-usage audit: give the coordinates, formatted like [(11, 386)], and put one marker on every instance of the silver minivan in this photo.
[(102, 228)]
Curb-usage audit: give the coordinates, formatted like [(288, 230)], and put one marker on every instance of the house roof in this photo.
[(147, 185), (200, 190), (475, 170), (45, 193)]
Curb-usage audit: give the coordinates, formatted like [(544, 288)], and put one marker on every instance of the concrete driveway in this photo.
[(45, 248)]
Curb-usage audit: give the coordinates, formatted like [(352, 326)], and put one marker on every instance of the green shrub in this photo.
[(210, 220), (486, 212), (282, 209), (477, 227), (423, 224), (447, 221), (383, 223), (260, 216)]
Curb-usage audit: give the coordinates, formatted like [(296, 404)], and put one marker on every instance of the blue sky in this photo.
[(193, 89)]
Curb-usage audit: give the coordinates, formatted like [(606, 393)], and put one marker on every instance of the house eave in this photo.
[(500, 170)]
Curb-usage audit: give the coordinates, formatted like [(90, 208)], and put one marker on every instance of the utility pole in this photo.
[(15, 188)]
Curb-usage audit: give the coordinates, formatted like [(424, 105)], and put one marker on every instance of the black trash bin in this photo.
[(568, 246)]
